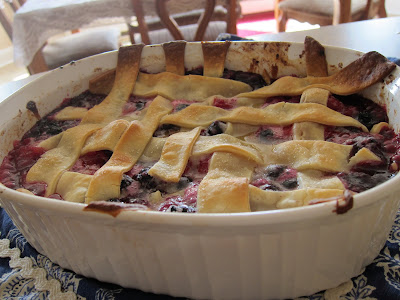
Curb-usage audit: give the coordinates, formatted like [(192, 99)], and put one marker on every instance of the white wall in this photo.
[(393, 7), (255, 6), (4, 40)]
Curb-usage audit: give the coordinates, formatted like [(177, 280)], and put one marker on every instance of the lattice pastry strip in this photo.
[(267, 200), (225, 188), (315, 66), (127, 71), (214, 58), (73, 186), (175, 57), (275, 114), (189, 87), (311, 130), (175, 155), (54, 162), (106, 138), (127, 152)]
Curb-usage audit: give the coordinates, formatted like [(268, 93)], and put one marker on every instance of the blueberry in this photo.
[(274, 171), (290, 183), (270, 186), (114, 200), (180, 208), (183, 182), (166, 130), (215, 128), (256, 81), (169, 127), (181, 106), (146, 181), (266, 134), (359, 182), (370, 143), (140, 105), (126, 181), (52, 128)]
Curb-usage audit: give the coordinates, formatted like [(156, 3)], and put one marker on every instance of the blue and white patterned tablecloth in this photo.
[(28, 275)]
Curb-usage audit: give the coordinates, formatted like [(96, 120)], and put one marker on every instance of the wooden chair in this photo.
[(191, 25), (327, 12), (64, 49)]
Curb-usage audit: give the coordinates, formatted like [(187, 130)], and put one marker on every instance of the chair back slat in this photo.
[(341, 13), (6, 16), (166, 17)]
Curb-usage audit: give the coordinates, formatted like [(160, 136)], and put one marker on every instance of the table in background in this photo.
[(382, 35), (38, 20)]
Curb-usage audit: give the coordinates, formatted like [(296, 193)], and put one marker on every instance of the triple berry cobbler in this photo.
[(211, 140)]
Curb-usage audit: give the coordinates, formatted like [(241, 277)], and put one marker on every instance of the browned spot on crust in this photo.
[(266, 76), (175, 57), (254, 65), (346, 204), (127, 56), (102, 83), (274, 71), (389, 79), (365, 71), (128, 60), (214, 57), (316, 64), (112, 208)]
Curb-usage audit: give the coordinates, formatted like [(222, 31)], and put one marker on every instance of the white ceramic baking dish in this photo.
[(263, 255)]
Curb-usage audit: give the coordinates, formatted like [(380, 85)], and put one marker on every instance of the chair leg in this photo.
[(281, 22), (280, 27), (382, 10), (131, 32)]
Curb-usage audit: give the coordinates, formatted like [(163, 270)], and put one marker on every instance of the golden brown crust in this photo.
[(126, 152), (316, 64), (175, 57), (214, 57), (175, 155), (190, 87), (281, 114), (225, 188), (267, 199), (54, 162), (223, 195), (125, 78), (311, 130), (102, 84), (360, 74), (363, 72)]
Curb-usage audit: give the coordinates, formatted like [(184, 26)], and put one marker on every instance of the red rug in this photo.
[(256, 24), (265, 23)]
